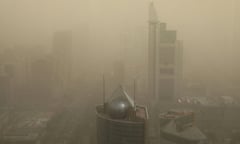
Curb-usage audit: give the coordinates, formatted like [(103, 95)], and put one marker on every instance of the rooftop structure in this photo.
[(178, 126), (120, 121)]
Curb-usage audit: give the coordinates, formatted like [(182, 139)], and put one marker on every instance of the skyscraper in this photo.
[(164, 60), (42, 74), (62, 47), (4, 87), (152, 52), (169, 63)]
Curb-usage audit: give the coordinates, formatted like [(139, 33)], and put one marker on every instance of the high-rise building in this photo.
[(62, 47), (169, 64), (152, 52), (16, 64), (120, 121), (41, 84), (236, 41), (4, 89), (5, 84), (165, 60)]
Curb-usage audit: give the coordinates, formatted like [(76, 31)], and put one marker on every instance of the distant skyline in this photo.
[(207, 28)]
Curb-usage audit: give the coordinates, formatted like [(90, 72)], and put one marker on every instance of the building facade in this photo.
[(169, 64), (62, 53), (119, 121), (165, 54), (4, 89)]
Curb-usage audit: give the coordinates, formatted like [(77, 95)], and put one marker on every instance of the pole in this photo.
[(134, 93), (104, 94)]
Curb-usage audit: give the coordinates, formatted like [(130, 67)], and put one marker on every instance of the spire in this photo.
[(152, 13)]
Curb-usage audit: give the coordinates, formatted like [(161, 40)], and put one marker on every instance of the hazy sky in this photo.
[(205, 26)]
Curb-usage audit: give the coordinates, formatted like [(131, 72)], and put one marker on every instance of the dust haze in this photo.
[(64, 57)]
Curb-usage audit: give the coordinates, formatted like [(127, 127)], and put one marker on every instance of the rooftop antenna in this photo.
[(104, 93), (134, 93)]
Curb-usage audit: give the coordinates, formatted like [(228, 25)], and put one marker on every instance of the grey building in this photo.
[(62, 53), (120, 121), (165, 54), (152, 52), (5, 84), (170, 54)]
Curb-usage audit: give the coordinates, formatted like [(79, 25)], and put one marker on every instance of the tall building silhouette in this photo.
[(169, 64), (4, 86), (152, 52), (164, 60), (62, 47), (42, 75)]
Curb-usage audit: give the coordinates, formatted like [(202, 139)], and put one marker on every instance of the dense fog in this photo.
[(64, 57)]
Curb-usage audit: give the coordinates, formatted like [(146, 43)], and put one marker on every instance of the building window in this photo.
[(168, 71), (167, 55)]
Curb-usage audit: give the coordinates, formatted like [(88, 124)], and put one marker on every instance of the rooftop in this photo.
[(120, 106)]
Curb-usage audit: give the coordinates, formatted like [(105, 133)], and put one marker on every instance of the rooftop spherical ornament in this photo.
[(119, 104), (118, 109)]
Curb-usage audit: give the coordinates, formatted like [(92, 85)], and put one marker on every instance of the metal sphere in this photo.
[(118, 108)]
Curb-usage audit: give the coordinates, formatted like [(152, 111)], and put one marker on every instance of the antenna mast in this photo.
[(134, 93), (104, 94)]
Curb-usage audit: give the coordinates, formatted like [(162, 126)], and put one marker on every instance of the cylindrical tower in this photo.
[(152, 53), (121, 122)]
